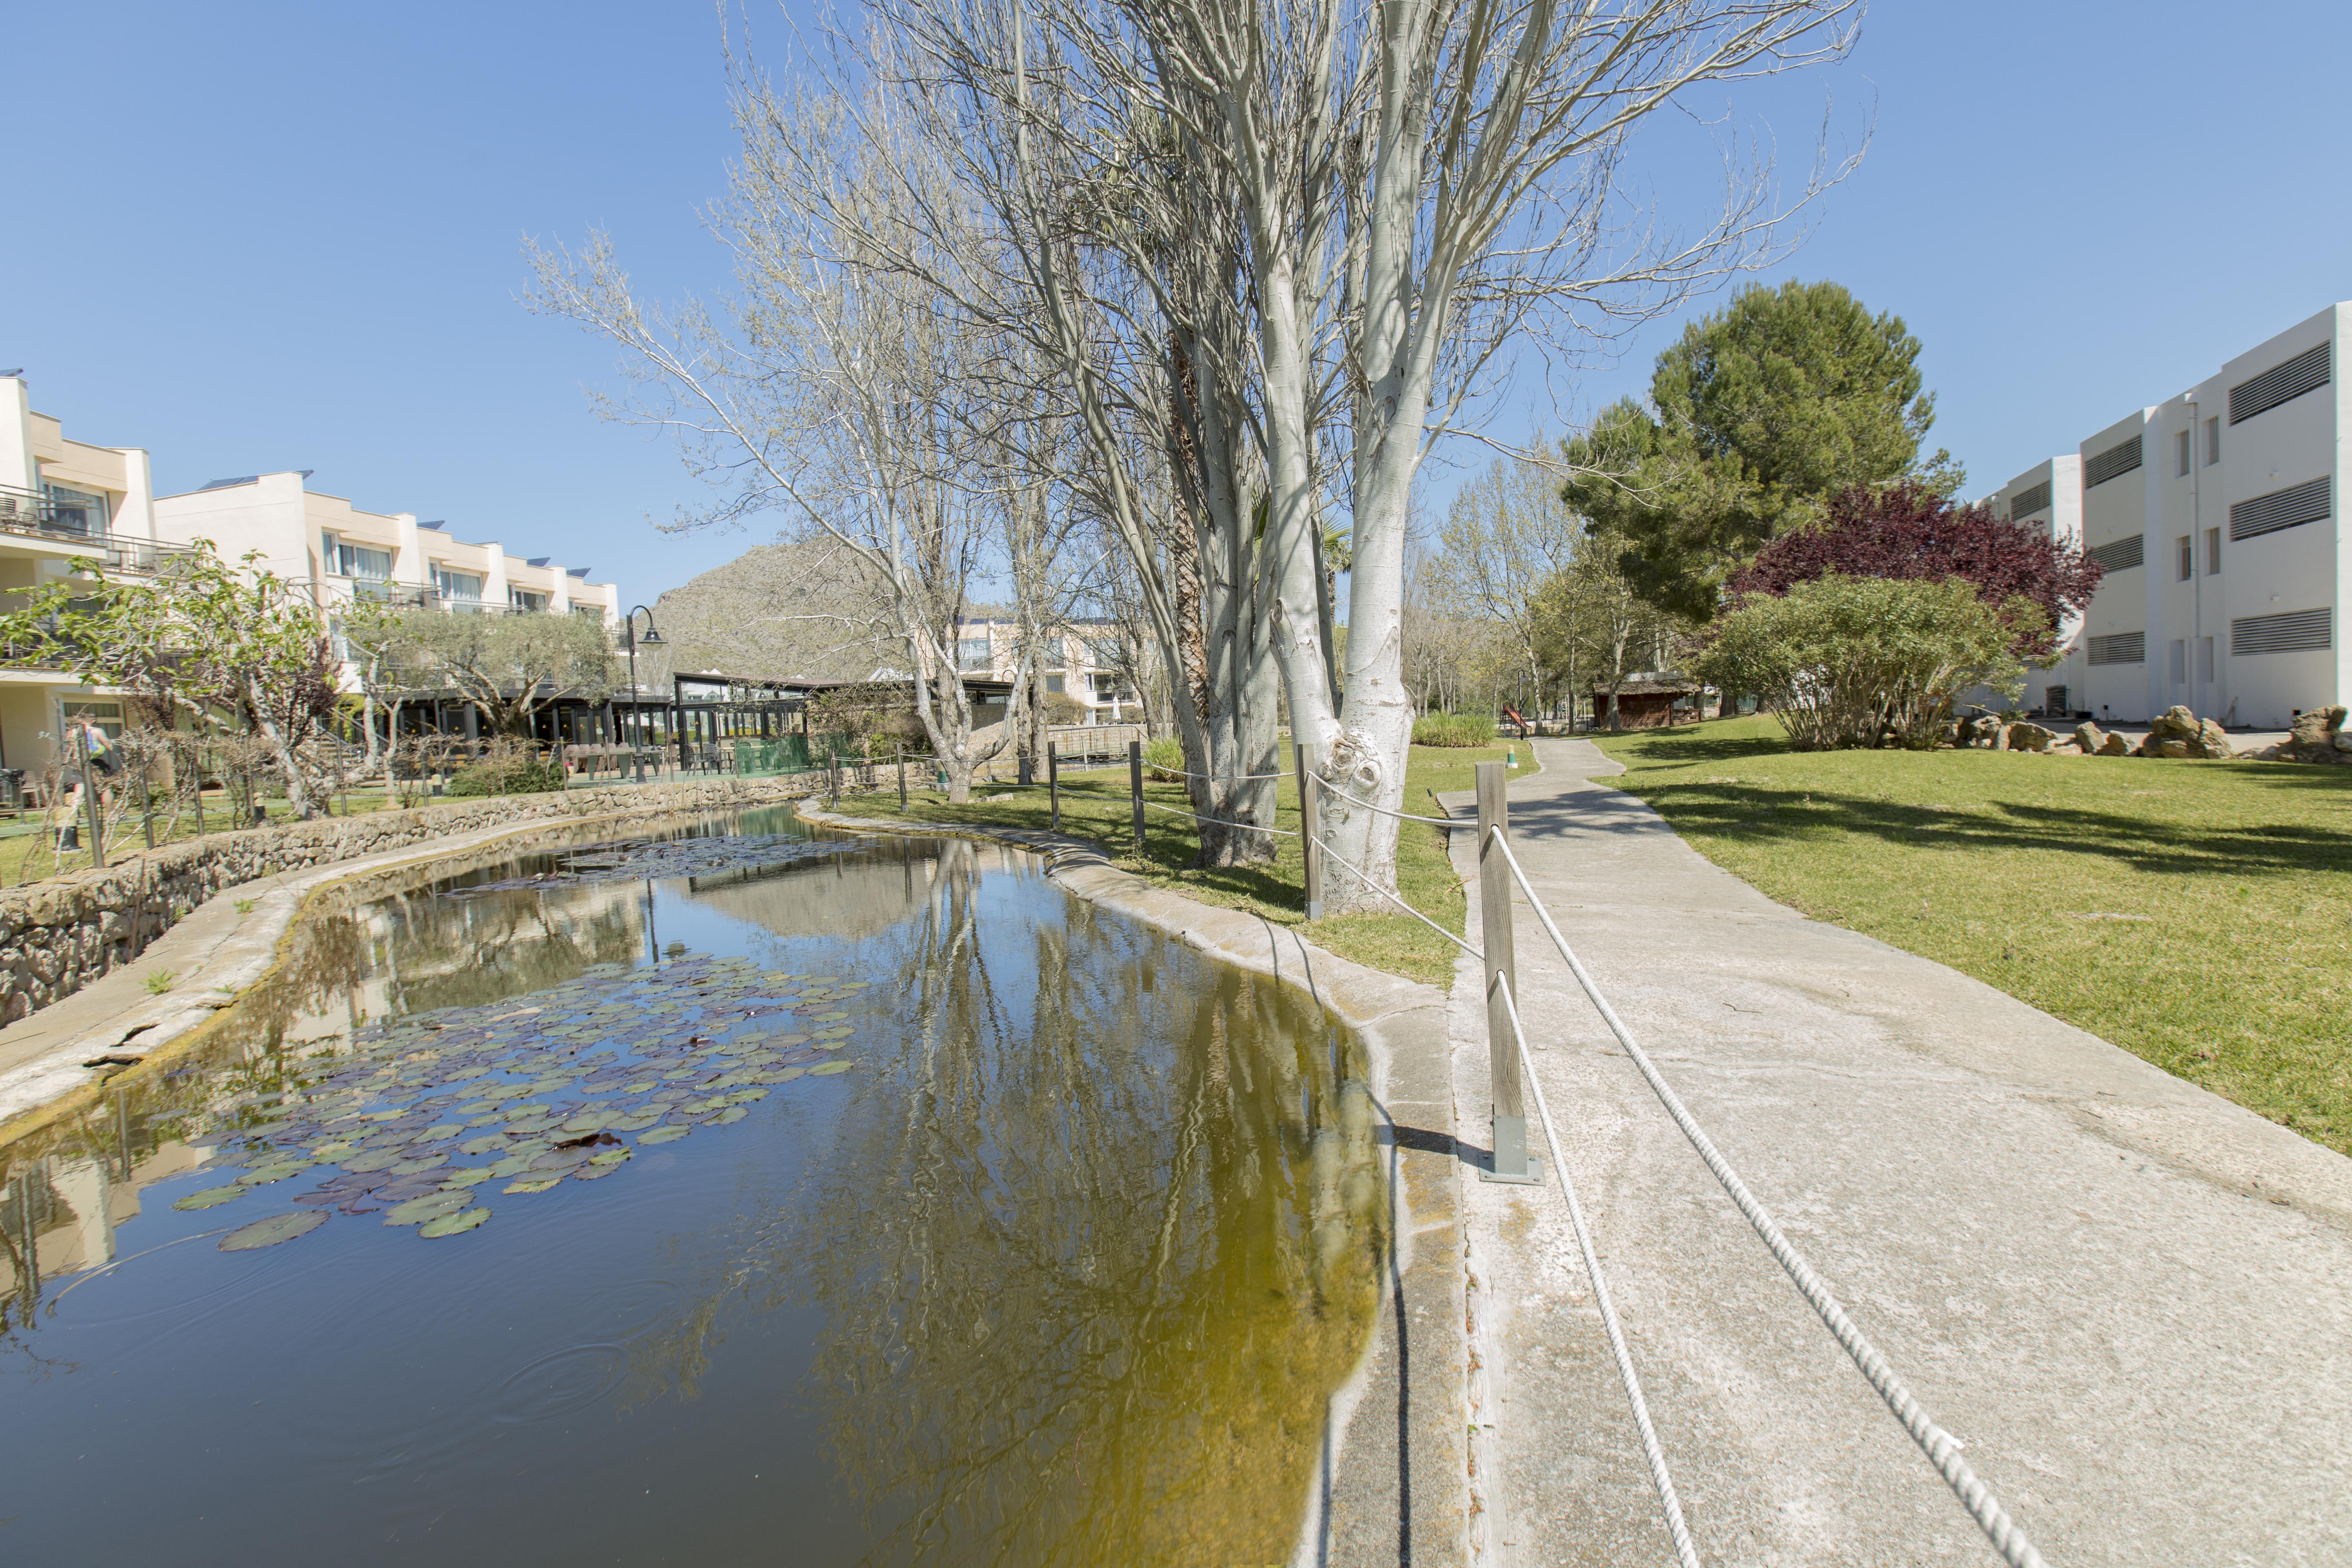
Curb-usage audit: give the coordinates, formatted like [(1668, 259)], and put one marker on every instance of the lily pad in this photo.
[(210, 1198), (833, 1017), (276, 1171), (535, 1124), (592, 1121), (329, 1149), (422, 1162), (450, 1224), (513, 1164), (611, 1156), (828, 1044), (271, 1231), (829, 1068), (592, 1172), (747, 1096), (665, 1134), (416, 1211), (631, 1123), (732, 1114), (782, 1075), (533, 1183), (481, 1145), (374, 1160), (440, 1131), (472, 1176)]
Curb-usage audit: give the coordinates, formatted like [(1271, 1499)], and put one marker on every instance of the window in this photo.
[(2212, 553), (974, 653), (75, 511), (524, 599), (2180, 456), (464, 586), (2187, 556), (2122, 648), (2297, 631), (1057, 683), (2212, 440), (2180, 662), (2121, 555), (2113, 463), (2290, 508), (2306, 372), (345, 559), (2205, 661)]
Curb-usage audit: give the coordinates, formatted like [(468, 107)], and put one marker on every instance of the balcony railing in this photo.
[(30, 516)]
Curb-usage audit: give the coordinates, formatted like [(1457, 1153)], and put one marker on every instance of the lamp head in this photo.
[(653, 637)]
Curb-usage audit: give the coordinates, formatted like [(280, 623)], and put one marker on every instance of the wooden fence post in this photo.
[(1510, 1161), (900, 751), (1310, 851), (1135, 788), (1054, 784)]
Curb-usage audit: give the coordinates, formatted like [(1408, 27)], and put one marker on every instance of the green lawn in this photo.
[(2227, 966), (1095, 805)]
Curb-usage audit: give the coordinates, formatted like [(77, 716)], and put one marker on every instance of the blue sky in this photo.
[(257, 236)]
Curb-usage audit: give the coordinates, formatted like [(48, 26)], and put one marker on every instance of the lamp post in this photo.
[(636, 712)]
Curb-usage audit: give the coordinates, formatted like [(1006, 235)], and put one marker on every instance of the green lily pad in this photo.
[(732, 1114), (747, 1096), (329, 1149), (260, 1175), (611, 1156), (824, 1068), (374, 1160), (513, 1164), (478, 1107), (535, 1124), (439, 1131), (432, 1205), (782, 1075), (271, 1231), (832, 1017), (482, 1145), (533, 1183), (472, 1176), (506, 1091), (211, 1197), (592, 1121), (640, 1086), (450, 1224), (631, 1123), (828, 1044), (422, 1162), (594, 1172), (665, 1134)]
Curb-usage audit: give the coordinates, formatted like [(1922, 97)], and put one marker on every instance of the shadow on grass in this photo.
[(1758, 815)]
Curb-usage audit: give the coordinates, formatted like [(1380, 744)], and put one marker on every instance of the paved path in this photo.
[(2131, 1300)]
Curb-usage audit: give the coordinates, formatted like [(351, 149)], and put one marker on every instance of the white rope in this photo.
[(1220, 822), (1340, 861), (1384, 811), (1686, 1553), (1942, 1451), (1223, 778)]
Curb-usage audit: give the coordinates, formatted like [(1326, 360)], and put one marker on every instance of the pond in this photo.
[(733, 1193)]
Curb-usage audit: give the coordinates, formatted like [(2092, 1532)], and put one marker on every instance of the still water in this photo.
[(736, 1196)]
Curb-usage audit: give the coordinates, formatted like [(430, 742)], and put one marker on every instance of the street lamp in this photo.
[(636, 712)]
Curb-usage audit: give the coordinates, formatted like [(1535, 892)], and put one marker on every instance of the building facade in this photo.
[(66, 506), (342, 552), (1092, 668), (2215, 515)]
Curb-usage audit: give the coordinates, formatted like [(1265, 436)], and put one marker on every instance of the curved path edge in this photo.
[(56, 1060), (1393, 1484)]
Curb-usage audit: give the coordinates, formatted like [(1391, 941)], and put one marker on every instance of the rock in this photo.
[(2026, 736), (2175, 749), (1984, 729), (2211, 741), (2175, 723), (2318, 737), (2090, 738), (2114, 746)]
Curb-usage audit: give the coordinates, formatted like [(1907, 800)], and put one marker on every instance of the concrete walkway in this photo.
[(2130, 1300)]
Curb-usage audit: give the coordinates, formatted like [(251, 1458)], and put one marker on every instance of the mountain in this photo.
[(777, 612)]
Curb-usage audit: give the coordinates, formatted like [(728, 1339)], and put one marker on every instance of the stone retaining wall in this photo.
[(57, 935)]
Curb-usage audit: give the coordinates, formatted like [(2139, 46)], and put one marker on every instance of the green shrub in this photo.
[(1853, 662), (1452, 730), (517, 775), (1163, 760)]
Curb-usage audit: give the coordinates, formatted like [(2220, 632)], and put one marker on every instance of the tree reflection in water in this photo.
[(1093, 1249)]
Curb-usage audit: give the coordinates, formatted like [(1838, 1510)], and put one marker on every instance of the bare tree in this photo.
[(1506, 534)]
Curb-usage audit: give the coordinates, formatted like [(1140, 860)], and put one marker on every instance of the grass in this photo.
[(2197, 915), (28, 843), (1095, 805)]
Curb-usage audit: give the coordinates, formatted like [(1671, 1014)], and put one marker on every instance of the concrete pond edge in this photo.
[(58, 1061), (1393, 1481)]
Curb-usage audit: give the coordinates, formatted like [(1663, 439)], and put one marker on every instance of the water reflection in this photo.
[(1066, 1272)]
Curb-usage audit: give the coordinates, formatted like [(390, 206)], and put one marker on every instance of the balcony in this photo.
[(29, 516)]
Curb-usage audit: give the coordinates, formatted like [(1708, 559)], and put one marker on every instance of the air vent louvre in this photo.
[(2113, 463), (2122, 554), (2306, 372), (2297, 504), (2297, 631), (2123, 647), (2028, 501)]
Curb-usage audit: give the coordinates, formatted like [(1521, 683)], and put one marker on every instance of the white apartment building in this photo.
[(341, 552), (65, 505), (1085, 670), (2215, 515)]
